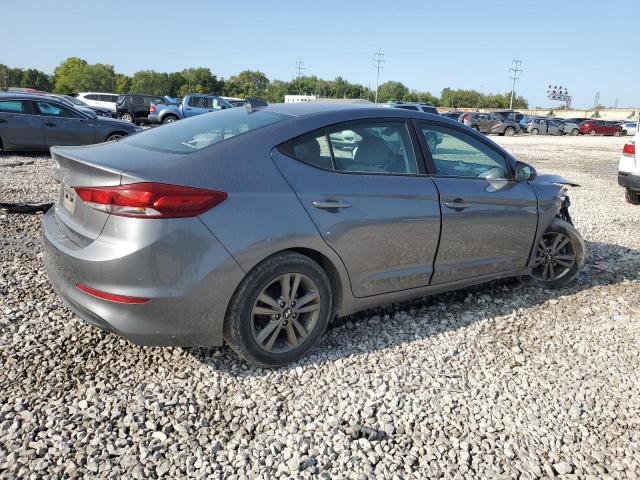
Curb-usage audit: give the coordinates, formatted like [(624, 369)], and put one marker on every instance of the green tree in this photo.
[(150, 82), (76, 75), (199, 80), (32, 78), (276, 91), (123, 83), (248, 83), (10, 77), (392, 91)]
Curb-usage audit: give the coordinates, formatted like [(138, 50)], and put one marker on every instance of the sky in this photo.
[(586, 46)]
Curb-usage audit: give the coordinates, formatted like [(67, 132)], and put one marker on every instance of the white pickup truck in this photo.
[(629, 171)]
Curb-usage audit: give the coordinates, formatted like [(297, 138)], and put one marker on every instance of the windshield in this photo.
[(75, 101), (202, 131)]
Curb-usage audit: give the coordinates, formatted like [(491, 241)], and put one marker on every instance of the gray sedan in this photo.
[(249, 227), (36, 122)]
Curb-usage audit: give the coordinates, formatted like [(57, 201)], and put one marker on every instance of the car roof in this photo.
[(27, 96)]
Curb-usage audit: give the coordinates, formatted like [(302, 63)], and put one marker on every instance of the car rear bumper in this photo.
[(185, 272), (154, 118), (629, 180)]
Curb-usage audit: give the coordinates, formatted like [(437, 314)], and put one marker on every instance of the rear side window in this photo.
[(363, 147), (202, 131), (198, 102), (14, 106), (408, 107)]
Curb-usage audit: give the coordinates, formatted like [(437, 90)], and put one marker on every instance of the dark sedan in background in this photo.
[(37, 122)]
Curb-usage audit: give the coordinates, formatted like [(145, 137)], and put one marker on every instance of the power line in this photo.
[(378, 61), (299, 68), (515, 71)]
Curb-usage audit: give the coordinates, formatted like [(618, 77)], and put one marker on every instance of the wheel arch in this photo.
[(115, 132)]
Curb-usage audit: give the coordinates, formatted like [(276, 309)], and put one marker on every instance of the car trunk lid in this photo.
[(82, 222)]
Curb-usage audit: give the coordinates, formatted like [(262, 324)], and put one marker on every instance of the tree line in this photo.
[(77, 75)]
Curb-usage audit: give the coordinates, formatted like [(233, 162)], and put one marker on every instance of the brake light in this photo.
[(110, 296), (629, 149), (152, 108), (151, 200)]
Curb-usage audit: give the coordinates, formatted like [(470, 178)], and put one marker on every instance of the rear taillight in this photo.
[(629, 149), (152, 108), (151, 200)]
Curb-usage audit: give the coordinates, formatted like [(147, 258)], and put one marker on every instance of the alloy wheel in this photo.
[(555, 257), (285, 313)]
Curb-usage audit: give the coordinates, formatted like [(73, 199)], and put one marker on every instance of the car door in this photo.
[(484, 122), (63, 126), (140, 106), (489, 219), (19, 126), (371, 203), (195, 106)]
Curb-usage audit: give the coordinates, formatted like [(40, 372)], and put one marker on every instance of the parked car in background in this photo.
[(510, 115), (191, 105), (236, 102), (568, 128), (99, 100), (629, 171), (544, 126), (36, 122), (80, 105), (490, 123), (135, 108), (415, 106), (629, 128), (600, 127), (247, 228), (576, 120), (452, 115)]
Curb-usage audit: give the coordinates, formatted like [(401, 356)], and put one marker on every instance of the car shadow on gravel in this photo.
[(384, 327)]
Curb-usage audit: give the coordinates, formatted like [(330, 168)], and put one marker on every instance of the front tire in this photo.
[(279, 311), (127, 117), (632, 196), (115, 136), (574, 132), (592, 132), (535, 131), (559, 256), (509, 131)]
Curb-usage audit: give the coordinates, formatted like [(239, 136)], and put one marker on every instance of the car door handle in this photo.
[(329, 205), (50, 124), (458, 204)]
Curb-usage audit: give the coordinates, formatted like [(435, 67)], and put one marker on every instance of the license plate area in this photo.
[(68, 198)]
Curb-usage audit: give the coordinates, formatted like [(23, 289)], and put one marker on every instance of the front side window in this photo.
[(456, 154), (198, 102), (92, 97), (364, 147), (53, 110)]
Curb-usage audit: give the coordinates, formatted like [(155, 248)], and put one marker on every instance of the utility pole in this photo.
[(615, 104), (596, 101), (515, 71), (378, 61), (299, 68)]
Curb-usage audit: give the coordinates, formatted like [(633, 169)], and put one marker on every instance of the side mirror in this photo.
[(525, 172)]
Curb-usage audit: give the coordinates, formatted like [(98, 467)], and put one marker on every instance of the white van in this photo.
[(629, 171), (99, 100)]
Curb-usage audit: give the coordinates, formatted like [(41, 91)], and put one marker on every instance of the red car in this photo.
[(600, 127)]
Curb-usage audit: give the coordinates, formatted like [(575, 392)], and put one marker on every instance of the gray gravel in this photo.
[(495, 381)]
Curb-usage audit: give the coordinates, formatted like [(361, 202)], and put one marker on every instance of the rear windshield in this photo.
[(196, 133)]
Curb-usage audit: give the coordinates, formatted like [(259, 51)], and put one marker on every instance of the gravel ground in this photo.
[(495, 381)]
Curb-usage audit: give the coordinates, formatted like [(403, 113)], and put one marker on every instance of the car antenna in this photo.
[(253, 104)]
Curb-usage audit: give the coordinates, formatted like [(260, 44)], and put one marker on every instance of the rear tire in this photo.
[(169, 119), (534, 131), (616, 133), (127, 117), (509, 131), (560, 255), (264, 326), (592, 133), (574, 132), (632, 196)]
